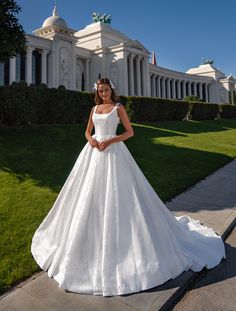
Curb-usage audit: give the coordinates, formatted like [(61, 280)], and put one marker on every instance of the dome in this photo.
[(55, 20)]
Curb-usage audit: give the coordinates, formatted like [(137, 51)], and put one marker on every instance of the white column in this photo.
[(131, 74), (29, 65), (104, 62), (158, 87), (73, 69), (12, 70), (55, 63), (189, 88), (150, 83), (87, 78), (125, 74), (44, 66), (153, 85), (206, 91), (173, 89), (178, 90), (147, 77), (195, 89), (74, 61), (163, 87), (168, 88), (143, 78), (200, 90), (150, 78), (184, 89), (138, 75)]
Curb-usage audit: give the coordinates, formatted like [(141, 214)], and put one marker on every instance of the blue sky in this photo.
[(181, 32)]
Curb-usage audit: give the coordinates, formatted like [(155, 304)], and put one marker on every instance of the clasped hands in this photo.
[(101, 146)]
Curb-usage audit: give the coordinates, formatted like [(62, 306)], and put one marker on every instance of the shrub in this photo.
[(43, 85), (192, 98), (61, 87)]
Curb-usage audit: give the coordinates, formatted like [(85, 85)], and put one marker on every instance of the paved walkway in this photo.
[(212, 201), (220, 283)]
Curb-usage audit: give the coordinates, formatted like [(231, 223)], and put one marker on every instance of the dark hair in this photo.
[(98, 99)]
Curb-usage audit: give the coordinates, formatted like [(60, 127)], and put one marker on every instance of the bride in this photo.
[(108, 232)]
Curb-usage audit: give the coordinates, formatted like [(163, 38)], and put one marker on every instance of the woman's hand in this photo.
[(103, 145), (93, 143)]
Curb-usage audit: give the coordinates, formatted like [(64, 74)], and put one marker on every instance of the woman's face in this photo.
[(104, 91)]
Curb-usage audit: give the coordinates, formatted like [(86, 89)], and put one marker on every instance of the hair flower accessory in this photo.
[(95, 85), (112, 84)]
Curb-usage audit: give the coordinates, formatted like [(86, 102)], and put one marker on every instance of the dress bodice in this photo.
[(106, 123)]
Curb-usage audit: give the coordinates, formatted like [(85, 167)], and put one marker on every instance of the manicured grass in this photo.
[(35, 162)]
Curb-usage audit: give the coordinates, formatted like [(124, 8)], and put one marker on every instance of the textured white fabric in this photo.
[(108, 233)]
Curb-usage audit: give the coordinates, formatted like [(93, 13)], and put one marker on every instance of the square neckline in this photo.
[(116, 105)]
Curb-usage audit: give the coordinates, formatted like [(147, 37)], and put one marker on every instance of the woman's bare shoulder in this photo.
[(120, 106)]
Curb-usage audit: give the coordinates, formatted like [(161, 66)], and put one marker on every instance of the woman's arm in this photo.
[(93, 142)]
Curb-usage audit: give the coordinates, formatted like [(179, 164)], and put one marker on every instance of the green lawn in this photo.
[(36, 160)]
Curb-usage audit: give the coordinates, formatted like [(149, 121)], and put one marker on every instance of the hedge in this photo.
[(27, 105), (150, 109), (228, 111), (22, 104), (203, 111)]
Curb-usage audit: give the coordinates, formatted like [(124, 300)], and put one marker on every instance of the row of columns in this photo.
[(84, 71), (44, 66), (29, 53), (176, 88), (137, 75)]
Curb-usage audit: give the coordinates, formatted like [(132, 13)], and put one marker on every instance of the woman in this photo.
[(106, 99), (108, 233)]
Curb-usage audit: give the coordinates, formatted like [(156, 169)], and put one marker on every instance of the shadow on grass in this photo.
[(171, 169), (45, 153), (191, 127)]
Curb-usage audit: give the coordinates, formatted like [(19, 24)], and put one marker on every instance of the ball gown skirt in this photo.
[(108, 233)]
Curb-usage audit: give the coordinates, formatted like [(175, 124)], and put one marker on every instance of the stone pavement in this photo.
[(212, 201), (220, 283)]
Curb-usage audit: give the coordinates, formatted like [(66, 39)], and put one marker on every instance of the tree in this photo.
[(12, 35), (192, 98)]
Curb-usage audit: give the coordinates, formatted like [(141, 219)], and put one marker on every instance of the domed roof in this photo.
[(55, 20)]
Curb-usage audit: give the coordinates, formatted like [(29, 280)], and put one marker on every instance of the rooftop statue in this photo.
[(207, 61), (105, 18)]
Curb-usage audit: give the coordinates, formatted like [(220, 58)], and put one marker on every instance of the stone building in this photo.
[(58, 55)]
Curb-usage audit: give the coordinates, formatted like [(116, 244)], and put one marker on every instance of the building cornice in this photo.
[(178, 74)]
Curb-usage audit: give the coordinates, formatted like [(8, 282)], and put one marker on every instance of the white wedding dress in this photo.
[(108, 233)]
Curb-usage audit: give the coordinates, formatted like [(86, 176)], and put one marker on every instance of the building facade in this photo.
[(58, 55)]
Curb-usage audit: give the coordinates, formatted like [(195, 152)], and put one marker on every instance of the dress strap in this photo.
[(94, 110)]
